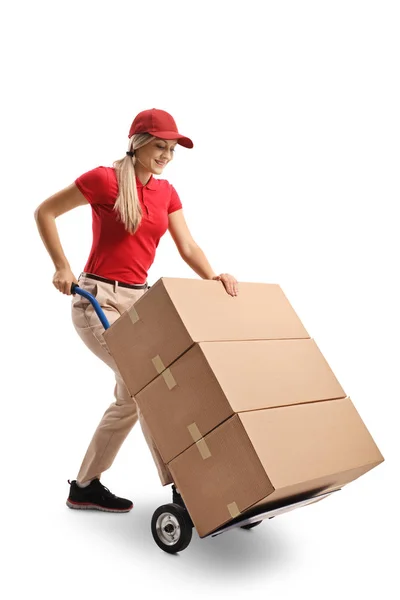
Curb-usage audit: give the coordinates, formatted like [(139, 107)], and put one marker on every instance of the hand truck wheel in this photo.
[(250, 525), (171, 527)]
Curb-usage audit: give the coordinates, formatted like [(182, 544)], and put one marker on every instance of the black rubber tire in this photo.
[(177, 516), (250, 525)]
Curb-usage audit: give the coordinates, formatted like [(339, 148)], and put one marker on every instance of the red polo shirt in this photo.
[(115, 253)]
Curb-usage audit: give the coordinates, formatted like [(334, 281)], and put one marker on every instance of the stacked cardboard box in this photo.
[(241, 403)]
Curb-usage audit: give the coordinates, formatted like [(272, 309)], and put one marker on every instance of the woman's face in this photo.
[(154, 156)]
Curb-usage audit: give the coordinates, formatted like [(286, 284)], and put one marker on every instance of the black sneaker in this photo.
[(97, 497)]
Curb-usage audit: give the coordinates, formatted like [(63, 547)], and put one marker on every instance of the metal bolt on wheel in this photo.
[(171, 528), (168, 529)]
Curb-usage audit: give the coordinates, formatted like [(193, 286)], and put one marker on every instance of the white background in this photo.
[(293, 108)]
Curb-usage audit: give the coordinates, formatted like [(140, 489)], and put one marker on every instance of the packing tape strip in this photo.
[(158, 364), (233, 509), (195, 432), (166, 373), (203, 448), (133, 314), (200, 441), (169, 379)]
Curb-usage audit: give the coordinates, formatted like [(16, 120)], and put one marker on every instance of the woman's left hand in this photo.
[(230, 283)]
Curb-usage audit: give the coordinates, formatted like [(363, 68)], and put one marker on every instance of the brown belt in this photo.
[(142, 286)]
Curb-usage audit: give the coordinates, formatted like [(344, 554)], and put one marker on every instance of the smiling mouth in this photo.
[(162, 164)]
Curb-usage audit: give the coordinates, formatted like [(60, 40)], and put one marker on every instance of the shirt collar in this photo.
[(151, 184)]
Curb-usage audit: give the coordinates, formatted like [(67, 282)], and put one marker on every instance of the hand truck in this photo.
[(171, 524)]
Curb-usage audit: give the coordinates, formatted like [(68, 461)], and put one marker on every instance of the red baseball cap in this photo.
[(160, 124)]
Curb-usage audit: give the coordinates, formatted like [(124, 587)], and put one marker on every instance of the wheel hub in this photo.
[(168, 529)]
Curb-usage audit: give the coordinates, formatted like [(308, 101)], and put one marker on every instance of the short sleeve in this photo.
[(175, 202), (94, 185)]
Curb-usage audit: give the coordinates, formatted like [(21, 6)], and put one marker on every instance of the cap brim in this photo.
[(173, 135)]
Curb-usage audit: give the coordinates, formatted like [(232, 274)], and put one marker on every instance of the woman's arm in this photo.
[(196, 259), (45, 217), (191, 252), (193, 255)]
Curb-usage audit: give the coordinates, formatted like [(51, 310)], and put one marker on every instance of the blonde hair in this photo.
[(127, 204)]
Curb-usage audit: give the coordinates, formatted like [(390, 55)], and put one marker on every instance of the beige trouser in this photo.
[(122, 414)]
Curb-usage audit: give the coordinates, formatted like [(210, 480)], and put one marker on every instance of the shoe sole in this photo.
[(90, 506)]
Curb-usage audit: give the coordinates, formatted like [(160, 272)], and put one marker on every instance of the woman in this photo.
[(131, 211)]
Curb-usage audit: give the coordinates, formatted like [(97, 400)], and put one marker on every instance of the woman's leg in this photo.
[(122, 414)]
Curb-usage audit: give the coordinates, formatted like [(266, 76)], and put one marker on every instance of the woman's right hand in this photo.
[(63, 280)]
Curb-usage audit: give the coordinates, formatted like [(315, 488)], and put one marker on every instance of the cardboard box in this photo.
[(241, 403), (214, 380), (265, 457), (175, 313)]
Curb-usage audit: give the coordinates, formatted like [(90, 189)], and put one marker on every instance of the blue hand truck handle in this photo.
[(75, 289)]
